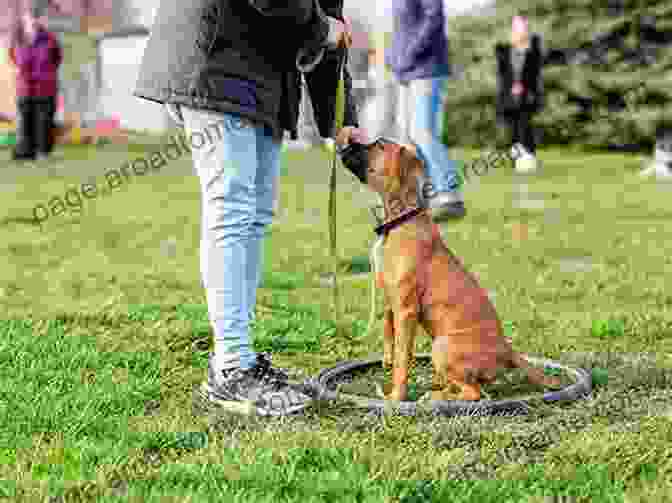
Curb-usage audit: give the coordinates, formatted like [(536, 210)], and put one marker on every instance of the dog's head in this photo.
[(390, 169), (382, 159)]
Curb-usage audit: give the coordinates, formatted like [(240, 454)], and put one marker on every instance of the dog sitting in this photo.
[(425, 284)]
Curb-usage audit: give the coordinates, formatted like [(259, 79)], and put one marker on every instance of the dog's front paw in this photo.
[(553, 382), (397, 395)]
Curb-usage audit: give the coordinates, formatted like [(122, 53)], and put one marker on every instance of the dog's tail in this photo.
[(535, 375)]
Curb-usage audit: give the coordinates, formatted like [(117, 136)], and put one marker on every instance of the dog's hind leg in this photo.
[(440, 368), (469, 391), (450, 381), (452, 390)]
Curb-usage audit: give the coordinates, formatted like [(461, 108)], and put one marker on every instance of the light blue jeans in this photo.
[(238, 171), (422, 105)]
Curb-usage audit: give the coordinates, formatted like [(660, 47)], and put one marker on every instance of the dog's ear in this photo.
[(415, 167), (412, 168), (412, 176), (401, 163), (394, 169), (409, 148)]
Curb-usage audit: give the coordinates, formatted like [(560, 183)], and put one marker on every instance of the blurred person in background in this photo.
[(358, 60), (380, 112), (420, 62), (37, 55), (520, 90)]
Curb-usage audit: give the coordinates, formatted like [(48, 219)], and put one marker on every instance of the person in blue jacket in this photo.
[(419, 60)]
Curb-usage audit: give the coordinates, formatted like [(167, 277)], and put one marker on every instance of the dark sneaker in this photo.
[(447, 206), (23, 157), (261, 390)]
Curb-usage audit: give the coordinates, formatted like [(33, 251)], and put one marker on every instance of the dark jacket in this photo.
[(419, 43), (228, 56), (37, 66), (532, 98)]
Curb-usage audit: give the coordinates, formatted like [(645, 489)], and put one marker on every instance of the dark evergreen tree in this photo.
[(608, 72)]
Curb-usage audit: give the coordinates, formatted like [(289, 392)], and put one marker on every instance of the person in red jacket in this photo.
[(37, 55)]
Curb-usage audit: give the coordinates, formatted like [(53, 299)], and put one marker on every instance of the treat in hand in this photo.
[(342, 31), (346, 35), (350, 134)]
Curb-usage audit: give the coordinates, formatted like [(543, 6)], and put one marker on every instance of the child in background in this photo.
[(37, 55), (520, 90)]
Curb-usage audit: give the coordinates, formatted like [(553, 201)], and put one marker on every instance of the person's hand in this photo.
[(342, 32), (350, 134)]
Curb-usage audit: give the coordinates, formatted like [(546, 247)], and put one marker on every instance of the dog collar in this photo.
[(384, 228)]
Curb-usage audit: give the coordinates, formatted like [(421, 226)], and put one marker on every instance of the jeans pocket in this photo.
[(238, 123)]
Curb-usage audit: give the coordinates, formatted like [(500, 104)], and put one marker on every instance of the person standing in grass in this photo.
[(228, 70), (379, 113), (37, 55), (420, 62), (358, 59), (520, 90)]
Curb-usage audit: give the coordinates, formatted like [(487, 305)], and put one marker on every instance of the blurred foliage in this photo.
[(78, 49), (600, 90)]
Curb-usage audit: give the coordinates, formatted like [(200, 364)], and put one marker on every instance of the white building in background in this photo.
[(119, 56), (118, 59), (104, 87), (134, 13)]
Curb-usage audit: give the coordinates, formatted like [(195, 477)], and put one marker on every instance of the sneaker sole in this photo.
[(205, 400), (443, 214)]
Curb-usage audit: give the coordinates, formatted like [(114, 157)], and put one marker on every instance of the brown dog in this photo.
[(425, 284)]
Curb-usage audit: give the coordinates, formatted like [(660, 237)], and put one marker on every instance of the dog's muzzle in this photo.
[(355, 156)]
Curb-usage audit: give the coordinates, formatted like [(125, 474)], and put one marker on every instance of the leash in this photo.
[(338, 124), (374, 255)]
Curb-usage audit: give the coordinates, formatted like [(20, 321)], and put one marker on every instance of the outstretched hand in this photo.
[(343, 31), (350, 134)]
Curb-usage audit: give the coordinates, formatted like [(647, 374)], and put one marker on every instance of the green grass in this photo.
[(104, 334)]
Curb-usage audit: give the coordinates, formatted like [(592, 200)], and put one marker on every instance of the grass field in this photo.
[(104, 334)]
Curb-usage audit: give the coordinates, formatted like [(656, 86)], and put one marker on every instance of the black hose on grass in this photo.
[(319, 388)]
